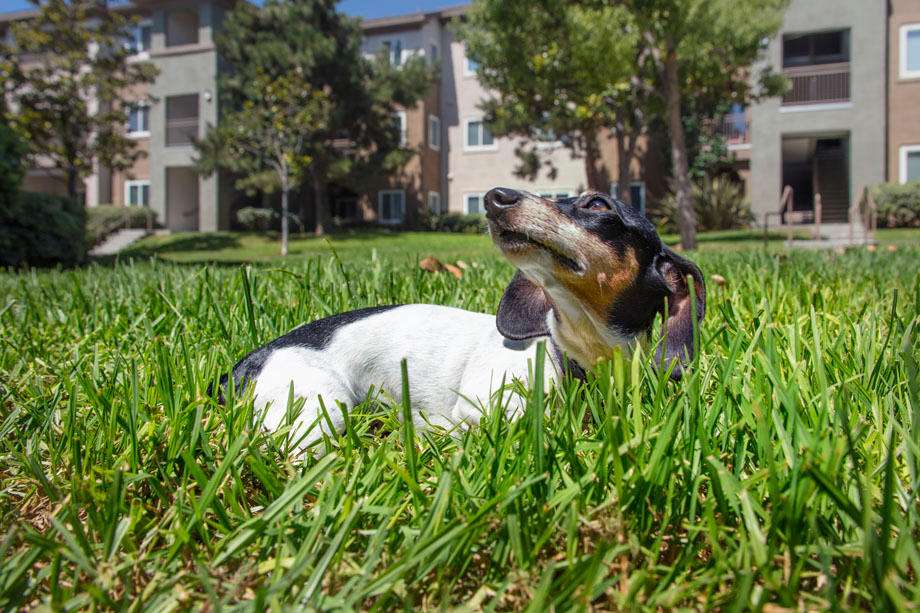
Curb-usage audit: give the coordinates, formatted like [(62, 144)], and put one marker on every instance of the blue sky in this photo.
[(360, 8)]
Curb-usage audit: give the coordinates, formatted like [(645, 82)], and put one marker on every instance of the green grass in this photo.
[(784, 470)]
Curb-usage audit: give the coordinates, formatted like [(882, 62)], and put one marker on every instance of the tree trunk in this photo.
[(319, 202), (624, 157), (592, 158), (73, 179), (285, 192), (686, 216)]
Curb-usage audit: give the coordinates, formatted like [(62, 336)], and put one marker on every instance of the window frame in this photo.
[(467, 71), (466, 202), (437, 199), (139, 183), (904, 32), (466, 135), (437, 130), (403, 130), (137, 39), (391, 221), (394, 51), (904, 152), (139, 133), (614, 192), (556, 193)]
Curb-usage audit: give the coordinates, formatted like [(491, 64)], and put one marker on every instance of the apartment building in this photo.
[(850, 120)]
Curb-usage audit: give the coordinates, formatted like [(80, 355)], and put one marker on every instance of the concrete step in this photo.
[(117, 241)]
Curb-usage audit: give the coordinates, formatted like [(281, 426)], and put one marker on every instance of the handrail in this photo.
[(865, 210), (785, 202)]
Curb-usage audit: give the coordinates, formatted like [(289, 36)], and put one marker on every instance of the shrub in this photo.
[(12, 170), (255, 218), (898, 205), (719, 204), (42, 230), (454, 222), (104, 219)]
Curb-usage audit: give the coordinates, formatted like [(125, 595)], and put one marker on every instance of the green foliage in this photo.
[(12, 169), (104, 219), (72, 103), (781, 472), (299, 98), (898, 205), (42, 230), (557, 70), (455, 222), (256, 218), (719, 204)]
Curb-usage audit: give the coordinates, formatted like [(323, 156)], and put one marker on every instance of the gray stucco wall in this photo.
[(863, 119), (190, 69)]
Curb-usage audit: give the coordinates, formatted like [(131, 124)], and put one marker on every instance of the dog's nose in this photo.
[(500, 198)]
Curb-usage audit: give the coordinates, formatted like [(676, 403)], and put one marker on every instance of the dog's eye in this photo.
[(597, 204)]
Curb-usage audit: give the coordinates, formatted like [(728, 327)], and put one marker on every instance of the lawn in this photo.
[(783, 471)]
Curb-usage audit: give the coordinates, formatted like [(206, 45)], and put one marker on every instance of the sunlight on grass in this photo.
[(784, 469)]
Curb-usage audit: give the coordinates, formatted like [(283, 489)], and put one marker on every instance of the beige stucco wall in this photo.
[(863, 119)]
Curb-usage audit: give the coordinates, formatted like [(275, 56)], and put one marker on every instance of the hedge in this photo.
[(42, 230)]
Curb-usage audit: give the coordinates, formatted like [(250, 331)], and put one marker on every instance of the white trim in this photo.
[(136, 183), (390, 192), (466, 132), (403, 132), (903, 153), (903, 72), (144, 54), (437, 131), (739, 147), (139, 133), (467, 196), (437, 201), (830, 106)]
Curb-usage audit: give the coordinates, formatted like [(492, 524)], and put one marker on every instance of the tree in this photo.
[(558, 70), (270, 132), (70, 86), (701, 48), (360, 96)]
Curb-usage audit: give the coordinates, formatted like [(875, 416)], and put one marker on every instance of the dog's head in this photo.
[(593, 273)]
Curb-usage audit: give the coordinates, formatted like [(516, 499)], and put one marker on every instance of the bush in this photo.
[(104, 219), (455, 222), (12, 169), (898, 205), (255, 218), (719, 204), (42, 230)]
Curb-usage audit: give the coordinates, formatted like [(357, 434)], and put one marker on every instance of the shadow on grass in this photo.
[(192, 242)]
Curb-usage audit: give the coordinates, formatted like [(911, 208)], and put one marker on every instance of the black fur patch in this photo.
[(314, 335)]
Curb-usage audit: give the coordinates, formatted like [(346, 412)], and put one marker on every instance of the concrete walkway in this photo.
[(115, 242), (832, 236)]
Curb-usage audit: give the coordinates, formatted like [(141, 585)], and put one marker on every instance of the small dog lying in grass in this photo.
[(592, 275)]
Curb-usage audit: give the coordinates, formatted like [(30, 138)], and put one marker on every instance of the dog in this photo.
[(592, 275)]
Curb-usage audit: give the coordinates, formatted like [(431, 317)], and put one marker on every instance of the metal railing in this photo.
[(181, 131), (788, 216), (824, 84), (734, 131), (865, 211)]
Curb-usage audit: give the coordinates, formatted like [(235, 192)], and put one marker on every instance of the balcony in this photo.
[(735, 130), (818, 84), (181, 120)]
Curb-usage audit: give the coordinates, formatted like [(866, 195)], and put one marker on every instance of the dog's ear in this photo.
[(522, 310), (679, 344)]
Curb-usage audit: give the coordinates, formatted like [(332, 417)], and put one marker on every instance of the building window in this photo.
[(139, 121), (434, 202), (470, 66), (473, 204), (181, 120), (138, 41), (910, 163), (433, 53), (393, 51), (400, 119), (478, 136), (910, 51), (391, 206), (181, 27), (137, 193), (636, 194), (434, 132)]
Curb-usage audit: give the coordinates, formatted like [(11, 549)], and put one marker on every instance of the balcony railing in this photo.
[(819, 84), (181, 131), (735, 130)]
